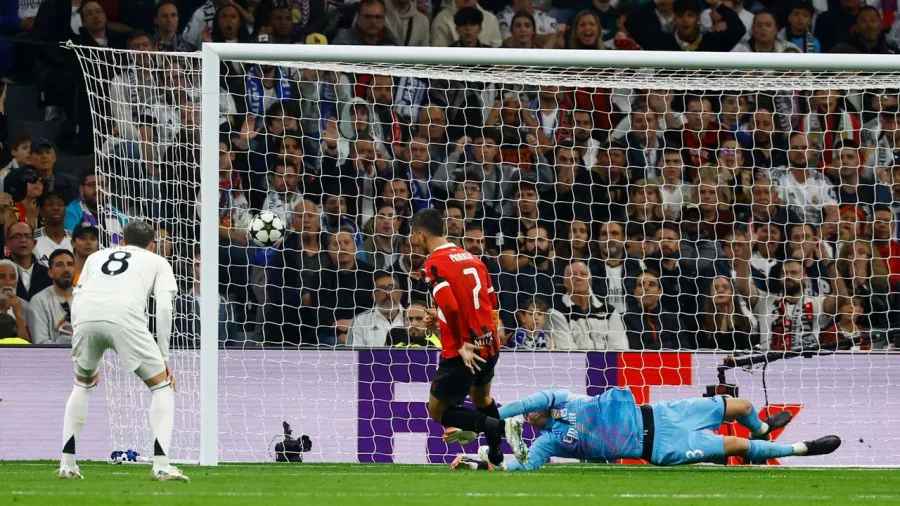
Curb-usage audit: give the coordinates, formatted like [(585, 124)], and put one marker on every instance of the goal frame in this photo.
[(213, 53)]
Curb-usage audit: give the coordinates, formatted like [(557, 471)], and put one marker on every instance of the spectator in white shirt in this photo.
[(544, 24), (803, 188), (584, 321), (283, 195), (443, 29), (371, 328), (674, 191), (53, 235)]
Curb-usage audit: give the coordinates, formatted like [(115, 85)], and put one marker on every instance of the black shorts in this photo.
[(453, 380)]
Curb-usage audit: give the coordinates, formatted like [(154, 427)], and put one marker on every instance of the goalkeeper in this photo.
[(612, 426)]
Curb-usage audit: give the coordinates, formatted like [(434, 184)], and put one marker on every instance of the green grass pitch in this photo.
[(363, 485)]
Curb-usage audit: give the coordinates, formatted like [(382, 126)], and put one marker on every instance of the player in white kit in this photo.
[(109, 311)]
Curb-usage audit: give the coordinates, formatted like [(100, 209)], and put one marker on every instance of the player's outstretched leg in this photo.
[(73, 423), (760, 451), (742, 411), (162, 420)]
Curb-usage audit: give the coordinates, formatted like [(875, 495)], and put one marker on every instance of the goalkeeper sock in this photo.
[(73, 423), (751, 421), (162, 419), (763, 450), (493, 438), (466, 419)]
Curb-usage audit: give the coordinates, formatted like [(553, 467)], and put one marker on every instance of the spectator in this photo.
[(543, 25), (19, 156), (408, 271), (369, 28), (498, 179), (573, 194), (576, 244), (467, 190), (419, 172), (342, 289), (788, 320), (645, 202), (687, 35), (522, 33), (674, 191), (847, 331), (612, 183), (231, 23), (609, 17), (884, 232), (799, 28), (454, 217), (204, 20), (804, 245), (85, 242), (699, 134), (766, 145), (647, 325), (187, 319), (283, 195), (371, 328), (407, 24), (531, 333), (550, 109), (523, 215), (355, 178), (10, 303), (443, 32), (733, 172), (652, 18), (836, 24), (880, 138), (803, 188), (589, 323), (52, 236), (84, 208), (866, 278), (31, 275), (739, 7), (468, 22), (166, 36), (714, 205), (829, 120), (414, 334), (582, 136), (764, 37), (94, 30), (43, 159), (29, 189), (869, 36), (727, 323), (49, 314), (379, 246), (586, 32), (335, 215), (678, 277), (854, 187), (396, 192), (767, 206)]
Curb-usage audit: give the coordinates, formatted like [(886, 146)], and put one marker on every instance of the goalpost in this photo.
[(366, 405)]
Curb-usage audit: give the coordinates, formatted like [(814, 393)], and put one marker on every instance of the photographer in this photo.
[(49, 316)]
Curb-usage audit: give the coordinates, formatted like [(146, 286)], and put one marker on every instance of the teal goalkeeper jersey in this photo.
[(601, 428)]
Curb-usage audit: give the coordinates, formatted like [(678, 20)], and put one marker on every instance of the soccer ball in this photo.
[(266, 229)]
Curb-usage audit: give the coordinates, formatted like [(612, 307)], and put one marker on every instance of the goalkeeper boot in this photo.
[(821, 446), (70, 473), (776, 421), (454, 435), (467, 463), (514, 438), (170, 473), (484, 453)]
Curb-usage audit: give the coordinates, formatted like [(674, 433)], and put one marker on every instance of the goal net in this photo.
[(641, 226)]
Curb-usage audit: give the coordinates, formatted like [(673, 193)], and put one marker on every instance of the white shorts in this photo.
[(137, 350)]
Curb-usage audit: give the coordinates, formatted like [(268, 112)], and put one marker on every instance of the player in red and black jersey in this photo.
[(465, 300)]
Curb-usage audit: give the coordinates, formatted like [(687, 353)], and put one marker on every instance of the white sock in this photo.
[(162, 419), (763, 428), (800, 449), (73, 423)]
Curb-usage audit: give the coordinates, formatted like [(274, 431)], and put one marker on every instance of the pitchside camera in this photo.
[(291, 450)]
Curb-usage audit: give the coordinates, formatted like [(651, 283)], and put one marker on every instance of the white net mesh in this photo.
[(628, 217)]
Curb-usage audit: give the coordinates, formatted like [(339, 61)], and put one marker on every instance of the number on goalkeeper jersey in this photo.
[(116, 284)]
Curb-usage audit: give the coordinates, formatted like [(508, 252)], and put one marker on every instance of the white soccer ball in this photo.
[(266, 229)]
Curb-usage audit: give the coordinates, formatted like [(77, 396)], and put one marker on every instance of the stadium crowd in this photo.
[(610, 219)]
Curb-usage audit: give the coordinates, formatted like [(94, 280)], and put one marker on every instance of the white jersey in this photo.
[(116, 284)]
